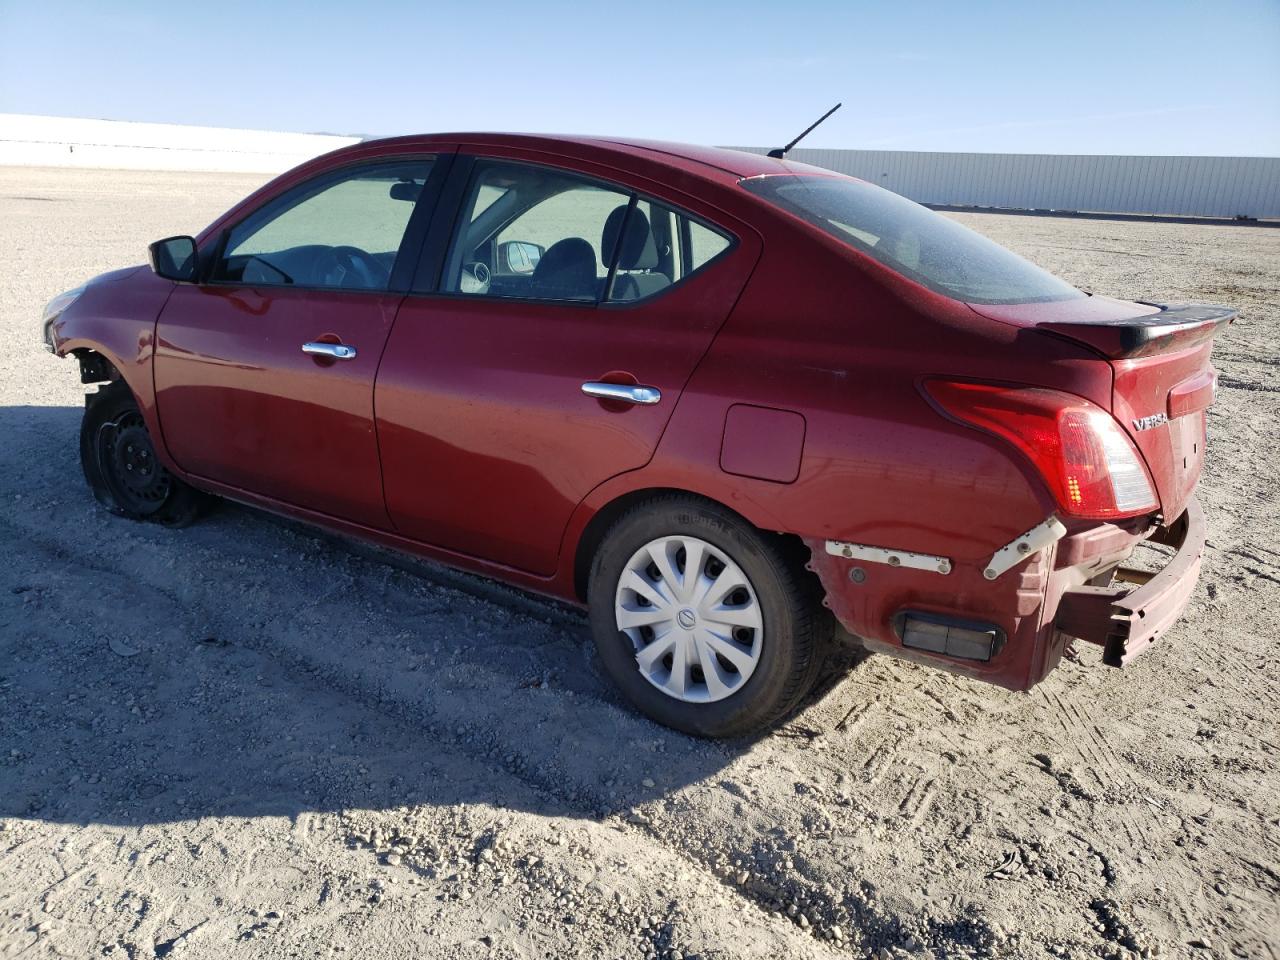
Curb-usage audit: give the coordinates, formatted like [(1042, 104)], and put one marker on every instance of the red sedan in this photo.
[(730, 403)]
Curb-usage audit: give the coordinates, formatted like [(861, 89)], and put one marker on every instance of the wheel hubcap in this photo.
[(693, 618)]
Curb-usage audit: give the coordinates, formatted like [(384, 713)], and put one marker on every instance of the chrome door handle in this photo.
[(335, 351), (626, 392)]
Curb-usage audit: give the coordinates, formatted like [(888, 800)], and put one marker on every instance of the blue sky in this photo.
[(1125, 76)]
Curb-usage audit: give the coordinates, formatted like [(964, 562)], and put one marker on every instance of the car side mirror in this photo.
[(519, 256), (174, 258)]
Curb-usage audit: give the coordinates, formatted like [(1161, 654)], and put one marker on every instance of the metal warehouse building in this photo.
[(1176, 186)]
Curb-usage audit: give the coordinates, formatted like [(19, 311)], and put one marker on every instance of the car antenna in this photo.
[(781, 152)]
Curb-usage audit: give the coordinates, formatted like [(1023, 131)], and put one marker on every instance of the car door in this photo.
[(264, 373), (546, 357)]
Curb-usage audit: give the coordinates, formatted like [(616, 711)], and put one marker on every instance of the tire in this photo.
[(772, 627), (120, 466)]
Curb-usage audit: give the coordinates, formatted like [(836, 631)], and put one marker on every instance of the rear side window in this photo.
[(340, 231), (534, 232), (925, 246), (674, 246), (702, 244)]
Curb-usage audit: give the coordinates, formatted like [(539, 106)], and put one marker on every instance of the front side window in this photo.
[(341, 231), (537, 233), (924, 246)]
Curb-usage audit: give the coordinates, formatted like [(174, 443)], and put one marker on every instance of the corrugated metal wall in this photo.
[(1181, 186)]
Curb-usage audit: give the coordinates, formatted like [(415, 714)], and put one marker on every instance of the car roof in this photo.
[(716, 163), (656, 159)]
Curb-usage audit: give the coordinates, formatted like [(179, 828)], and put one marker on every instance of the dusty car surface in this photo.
[(730, 403)]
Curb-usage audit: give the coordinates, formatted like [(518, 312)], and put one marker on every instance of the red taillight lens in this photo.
[(1091, 467)]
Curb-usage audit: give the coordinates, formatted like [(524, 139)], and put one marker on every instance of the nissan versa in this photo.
[(728, 402)]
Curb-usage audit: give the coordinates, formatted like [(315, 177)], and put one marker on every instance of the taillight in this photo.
[(1091, 467)]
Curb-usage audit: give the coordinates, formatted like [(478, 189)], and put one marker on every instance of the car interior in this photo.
[(313, 265), (528, 232), (363, 218), (571, 267)]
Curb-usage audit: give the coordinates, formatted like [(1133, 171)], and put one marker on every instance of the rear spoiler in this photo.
[(1176, 327)]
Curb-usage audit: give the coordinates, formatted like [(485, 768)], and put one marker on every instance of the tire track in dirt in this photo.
[(825, 907), (440, 734), (551, 783)]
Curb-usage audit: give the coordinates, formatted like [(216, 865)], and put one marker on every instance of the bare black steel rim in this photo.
[(137, 480)]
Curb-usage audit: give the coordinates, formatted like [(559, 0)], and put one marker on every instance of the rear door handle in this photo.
[(337, 351), (626, 392)]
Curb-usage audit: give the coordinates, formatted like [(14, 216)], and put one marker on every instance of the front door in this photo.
[(264, 375), (568, 316)]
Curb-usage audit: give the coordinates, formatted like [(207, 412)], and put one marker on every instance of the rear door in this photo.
[(551, 280), (264, 374)]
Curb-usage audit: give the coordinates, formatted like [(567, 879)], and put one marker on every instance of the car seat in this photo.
[(637, 254), (567, 271)]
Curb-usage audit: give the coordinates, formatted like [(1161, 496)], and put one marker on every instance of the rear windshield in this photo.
[(913, 240)]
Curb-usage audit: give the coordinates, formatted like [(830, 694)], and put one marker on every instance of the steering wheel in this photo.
[(351, 267)]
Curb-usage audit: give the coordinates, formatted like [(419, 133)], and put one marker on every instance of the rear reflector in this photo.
[(1091, 467), (952, 638)]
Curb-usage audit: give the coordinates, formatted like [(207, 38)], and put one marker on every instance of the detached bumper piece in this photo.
[(1129, 615)]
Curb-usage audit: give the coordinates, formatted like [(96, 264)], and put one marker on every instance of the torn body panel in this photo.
[(110, 329), (875, 601), (1072, 587)]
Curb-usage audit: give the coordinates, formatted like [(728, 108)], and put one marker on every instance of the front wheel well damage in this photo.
[(94, 367), (791, 546)]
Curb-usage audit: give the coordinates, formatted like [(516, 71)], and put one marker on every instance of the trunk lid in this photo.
[(1163, 381)]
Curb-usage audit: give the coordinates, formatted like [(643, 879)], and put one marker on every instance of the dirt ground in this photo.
[(246, 739)]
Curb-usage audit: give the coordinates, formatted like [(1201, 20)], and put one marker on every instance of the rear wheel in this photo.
[(121, 466), (704, 623)]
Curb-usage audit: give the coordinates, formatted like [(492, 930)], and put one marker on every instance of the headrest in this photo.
[(567, 271), (638, 251)]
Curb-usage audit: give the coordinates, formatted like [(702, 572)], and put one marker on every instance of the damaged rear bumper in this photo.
[(1132, 612)]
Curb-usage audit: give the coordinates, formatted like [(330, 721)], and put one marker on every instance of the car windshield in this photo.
[(913, 240)]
